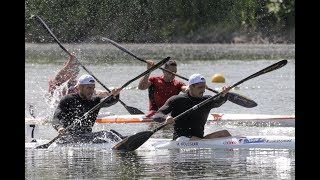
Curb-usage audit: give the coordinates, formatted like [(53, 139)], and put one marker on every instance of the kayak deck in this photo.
[(213, 117), (285, 120)]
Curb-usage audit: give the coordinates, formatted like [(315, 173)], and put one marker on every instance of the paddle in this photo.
[(162, 62), (233, 97), (133, 142), (131, 110), (107, 98)]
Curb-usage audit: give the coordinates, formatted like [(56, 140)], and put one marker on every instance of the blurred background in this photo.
[(164, 21)]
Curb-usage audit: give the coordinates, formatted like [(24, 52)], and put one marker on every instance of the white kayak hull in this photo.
[(36, 143), (235, 142), (274, 142)]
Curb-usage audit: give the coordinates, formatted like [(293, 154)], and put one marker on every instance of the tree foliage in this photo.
[(157, 21)]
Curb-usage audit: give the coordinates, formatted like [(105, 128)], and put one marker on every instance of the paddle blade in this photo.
[(241, 100), (133, 110), (133, 142), (130, 109), (45, 146)]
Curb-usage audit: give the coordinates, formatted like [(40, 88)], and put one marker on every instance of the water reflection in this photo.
[(90, 163), (218, 163), (128, 165)]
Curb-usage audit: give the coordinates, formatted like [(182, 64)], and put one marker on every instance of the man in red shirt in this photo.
[(161, 88)]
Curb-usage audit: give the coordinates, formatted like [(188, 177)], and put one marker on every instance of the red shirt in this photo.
[(160, 91)]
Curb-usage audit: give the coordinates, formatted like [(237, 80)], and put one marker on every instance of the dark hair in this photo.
[(170, 63)]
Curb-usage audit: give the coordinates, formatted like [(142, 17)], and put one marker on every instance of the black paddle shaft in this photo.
[(131, 110), (233, 97), (160, 63)]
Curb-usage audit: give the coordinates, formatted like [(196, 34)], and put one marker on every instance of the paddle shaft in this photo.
[(233, 97), (131, 110), (130, 81)]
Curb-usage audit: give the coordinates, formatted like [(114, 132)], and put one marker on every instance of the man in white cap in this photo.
[(68, 116), (191, 126)]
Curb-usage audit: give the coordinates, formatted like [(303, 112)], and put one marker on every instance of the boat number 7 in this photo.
[(32, 129), (33, 126)]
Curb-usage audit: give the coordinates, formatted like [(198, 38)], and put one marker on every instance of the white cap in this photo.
[(86, 79), (196, 78)]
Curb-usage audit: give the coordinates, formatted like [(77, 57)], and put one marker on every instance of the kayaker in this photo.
[(64, 82), (192, 125), (68, 73), (68, 117), (160, 88)]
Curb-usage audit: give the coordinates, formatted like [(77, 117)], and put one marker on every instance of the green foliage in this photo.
[(152, 21)]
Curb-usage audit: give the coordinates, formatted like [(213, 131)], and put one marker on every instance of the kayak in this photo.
[(100, 138), (284, 120), (274, 142), (35, 143), (249, 119), (233, 142)]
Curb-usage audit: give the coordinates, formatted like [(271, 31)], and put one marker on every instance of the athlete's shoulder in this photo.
[(180, 96)]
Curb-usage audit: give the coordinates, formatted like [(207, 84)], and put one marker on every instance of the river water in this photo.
[(274, 92)]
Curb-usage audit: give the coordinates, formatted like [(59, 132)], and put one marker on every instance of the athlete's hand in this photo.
[(61, 131), (150, 63), (169, 120), (225, 90), (115, 91)]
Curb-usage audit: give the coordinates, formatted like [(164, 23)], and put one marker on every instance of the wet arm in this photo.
[(144, 82), (163, 112), (59, 115), (218, 101), (68, 71)]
